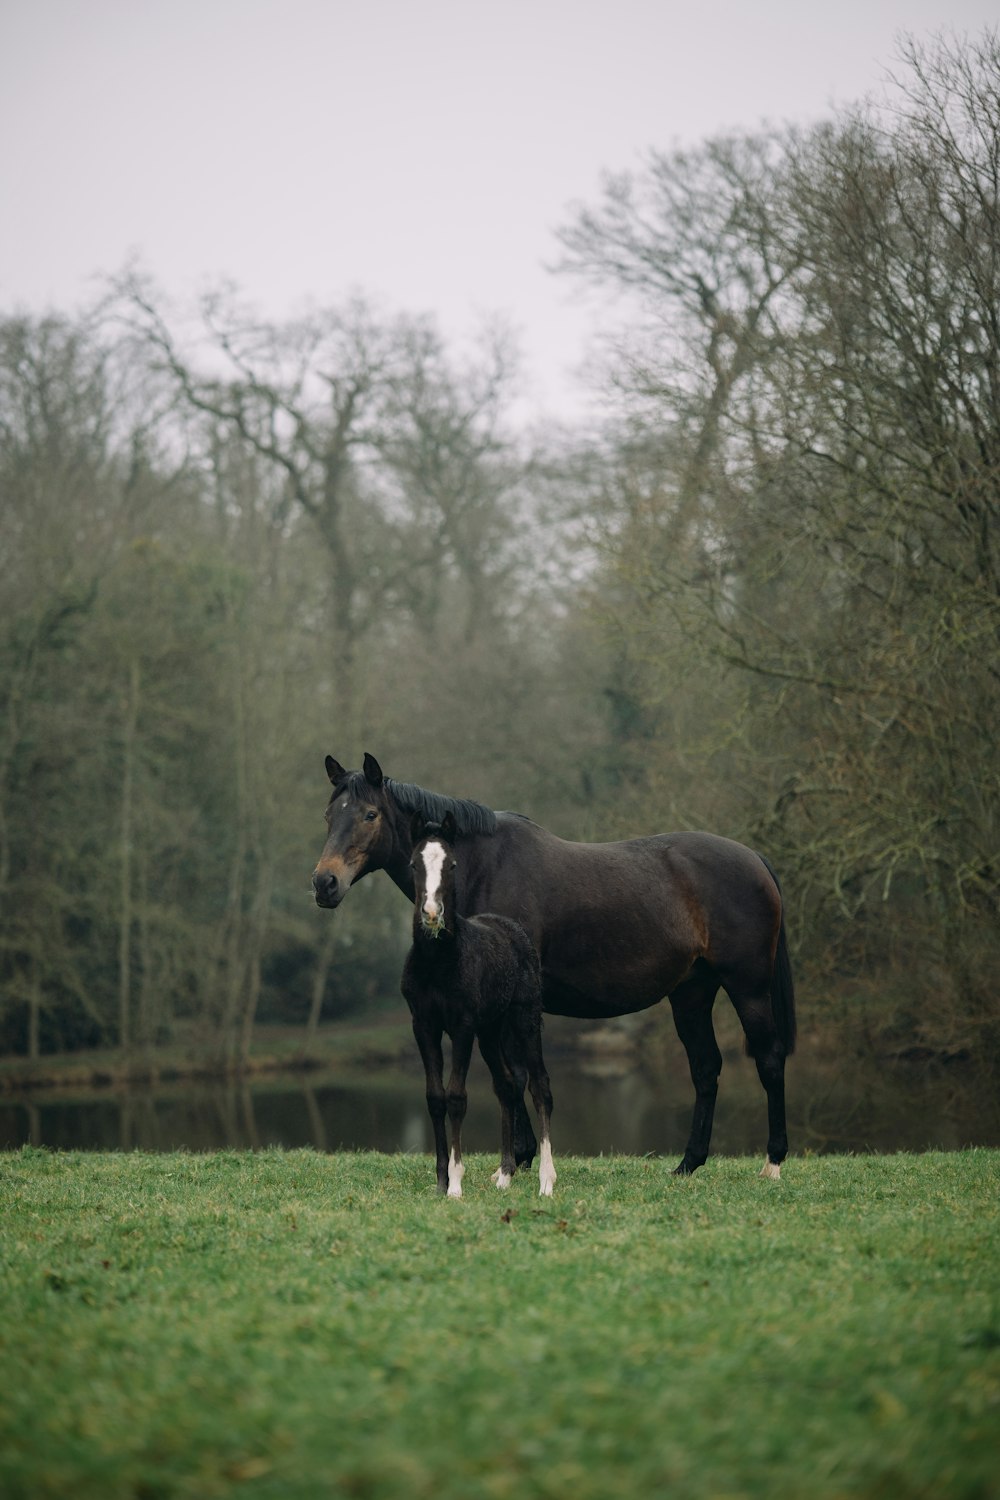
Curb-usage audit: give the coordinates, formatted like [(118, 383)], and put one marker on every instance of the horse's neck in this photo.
[(397, 867)]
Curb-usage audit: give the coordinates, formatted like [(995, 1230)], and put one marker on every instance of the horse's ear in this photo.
[(449, 828), (417, 825), (373, 771), (334, 770)]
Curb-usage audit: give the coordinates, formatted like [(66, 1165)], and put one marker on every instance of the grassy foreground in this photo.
[(290, 1324)]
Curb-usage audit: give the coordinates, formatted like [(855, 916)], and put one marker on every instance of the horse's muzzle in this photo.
[(328, 889)]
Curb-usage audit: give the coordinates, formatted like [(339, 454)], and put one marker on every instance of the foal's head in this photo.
[(433, 865)]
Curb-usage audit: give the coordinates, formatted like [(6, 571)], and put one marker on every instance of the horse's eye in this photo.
[(453, 865), (370, 817)]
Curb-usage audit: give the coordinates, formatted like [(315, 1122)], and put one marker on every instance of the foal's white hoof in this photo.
[(545, 1189), (455, 1191), (771, 1169), (501, 1178)]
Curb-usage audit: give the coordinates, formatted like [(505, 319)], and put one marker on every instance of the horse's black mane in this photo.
[(470, 817)]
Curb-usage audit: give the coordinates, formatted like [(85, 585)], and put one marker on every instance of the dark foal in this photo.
[(478, 979)]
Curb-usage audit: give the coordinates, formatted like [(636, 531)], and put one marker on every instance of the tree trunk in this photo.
[(34, 1010), (324, 963), (125, 908), (251, 996)]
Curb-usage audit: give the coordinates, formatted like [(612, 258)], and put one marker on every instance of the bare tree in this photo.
[(821, 478)]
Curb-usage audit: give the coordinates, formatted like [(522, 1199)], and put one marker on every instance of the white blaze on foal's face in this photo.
[(432, 907)]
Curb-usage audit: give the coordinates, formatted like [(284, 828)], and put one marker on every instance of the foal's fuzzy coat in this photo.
[(478, 979)]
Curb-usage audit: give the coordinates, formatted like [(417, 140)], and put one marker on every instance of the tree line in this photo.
[(763, 599)]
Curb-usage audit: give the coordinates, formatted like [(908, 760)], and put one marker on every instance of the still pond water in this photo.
[(905, 1107)]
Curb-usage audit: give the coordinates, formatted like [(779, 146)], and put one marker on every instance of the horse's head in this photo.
[(359, 830), (433, 865)]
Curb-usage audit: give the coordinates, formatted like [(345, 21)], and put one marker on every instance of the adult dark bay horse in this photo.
[(617, 926)]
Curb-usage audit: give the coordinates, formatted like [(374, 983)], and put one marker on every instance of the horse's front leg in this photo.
[(428, 1039), (457, 1100)]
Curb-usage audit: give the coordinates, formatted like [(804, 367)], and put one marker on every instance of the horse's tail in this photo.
[(782, 984)]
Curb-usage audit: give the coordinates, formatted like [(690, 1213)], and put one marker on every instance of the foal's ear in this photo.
[(417, 825), (334, 770), (373, 771), (449, 828)]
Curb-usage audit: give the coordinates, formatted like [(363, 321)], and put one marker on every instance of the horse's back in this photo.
[(523, 840), (700, 877), (618, 925)]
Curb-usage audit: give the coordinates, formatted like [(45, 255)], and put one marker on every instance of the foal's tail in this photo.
[(782, 984)]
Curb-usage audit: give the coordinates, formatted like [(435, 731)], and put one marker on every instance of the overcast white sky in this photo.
[(422, 151)]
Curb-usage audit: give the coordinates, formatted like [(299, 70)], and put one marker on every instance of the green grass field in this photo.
[(291, 1324)]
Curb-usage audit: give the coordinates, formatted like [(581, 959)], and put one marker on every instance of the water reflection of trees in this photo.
[(844, 1108)]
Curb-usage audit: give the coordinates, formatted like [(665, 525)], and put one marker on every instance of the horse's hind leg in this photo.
[(768, 1052), (692, 1003), (457, 1100)]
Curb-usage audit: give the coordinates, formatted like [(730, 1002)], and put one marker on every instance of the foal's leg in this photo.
[(457, 1101), (428, 1038), (527, 1031), (525, 1144), (506, 1090), (692, 1003), (541, 1093)]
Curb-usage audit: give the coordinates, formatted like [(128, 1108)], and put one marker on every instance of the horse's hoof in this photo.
[(502, 1179), (771, 1169)]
